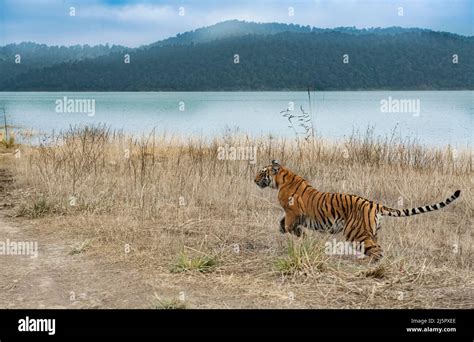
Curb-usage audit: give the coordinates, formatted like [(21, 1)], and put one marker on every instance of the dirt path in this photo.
[(55, 278)]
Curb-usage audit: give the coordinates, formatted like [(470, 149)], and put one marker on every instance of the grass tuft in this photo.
[(168, 303), (303, 257), (201, 262), (38, 208), (80, 247)]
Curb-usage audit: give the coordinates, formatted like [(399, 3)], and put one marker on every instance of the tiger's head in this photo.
[(266, 176)]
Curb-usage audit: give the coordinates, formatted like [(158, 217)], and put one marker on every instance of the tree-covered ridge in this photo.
[(235, 28), (36, 56), (292, 59)]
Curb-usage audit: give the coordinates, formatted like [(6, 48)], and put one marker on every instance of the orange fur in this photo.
[(356, 217)]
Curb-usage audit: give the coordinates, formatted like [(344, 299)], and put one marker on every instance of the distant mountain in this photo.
[(270, 57), (36, 56), (237, 28)]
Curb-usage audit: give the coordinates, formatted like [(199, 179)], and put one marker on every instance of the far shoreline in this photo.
[(226, 91)]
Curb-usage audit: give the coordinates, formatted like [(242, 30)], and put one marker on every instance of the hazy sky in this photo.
[(136, 22)]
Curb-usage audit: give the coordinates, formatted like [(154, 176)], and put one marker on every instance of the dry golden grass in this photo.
[(145, 201)]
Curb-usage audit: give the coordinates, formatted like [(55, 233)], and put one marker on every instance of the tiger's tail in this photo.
[(386, 211)]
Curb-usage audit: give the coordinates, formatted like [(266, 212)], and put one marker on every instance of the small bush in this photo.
[(8, 143), (38, 208)]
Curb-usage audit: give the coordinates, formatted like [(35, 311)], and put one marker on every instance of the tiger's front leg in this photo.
[(289, 223)]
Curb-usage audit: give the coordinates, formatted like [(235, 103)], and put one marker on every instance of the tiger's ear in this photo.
[(275, 166)]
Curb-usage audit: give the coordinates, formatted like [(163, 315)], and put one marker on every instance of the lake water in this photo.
[(432, 117)]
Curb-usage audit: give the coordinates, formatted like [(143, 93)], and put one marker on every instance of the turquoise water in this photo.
[(436, 117)]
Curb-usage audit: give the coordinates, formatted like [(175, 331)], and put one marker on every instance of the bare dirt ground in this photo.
[(56, 279)]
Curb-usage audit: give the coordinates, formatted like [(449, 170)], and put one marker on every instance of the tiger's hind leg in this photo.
[(372, 249), (365, 238)]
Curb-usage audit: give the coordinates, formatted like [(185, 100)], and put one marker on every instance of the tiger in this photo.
[(358, 218)]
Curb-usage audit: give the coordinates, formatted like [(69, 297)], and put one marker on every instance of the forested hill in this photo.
[(16, 59), (248, 56), (235, 28)]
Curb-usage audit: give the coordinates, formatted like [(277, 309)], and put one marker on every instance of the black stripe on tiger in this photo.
[(387, 211), (357, 217)]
